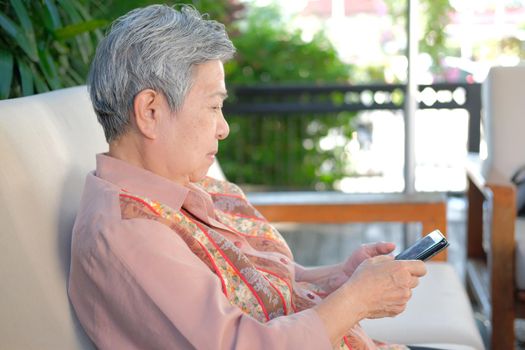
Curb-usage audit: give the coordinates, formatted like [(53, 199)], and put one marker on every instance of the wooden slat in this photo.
[(333, 197), (474, 221), (331, 207), (478, 283), (502, 266)]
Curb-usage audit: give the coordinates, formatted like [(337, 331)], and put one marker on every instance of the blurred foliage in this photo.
[(279, 151), (45, 45), (434, 18), (269, 52), (224, 11), (49, 44), (512, 46), (284, 150)]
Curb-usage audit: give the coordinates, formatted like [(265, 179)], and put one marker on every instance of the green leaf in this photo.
[(23, 16), (73, 30), (68, 80), (6, 72), (79, 80), (40, 83), (83, 49), (70, 10), (82, 9), (9, 26), (38, 10), (26, 78), (47, 64), (83, 41), (53, 13), (18, 34), (25, 20)]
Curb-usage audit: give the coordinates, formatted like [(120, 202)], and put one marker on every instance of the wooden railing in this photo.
[(288, 99), (295, 106)]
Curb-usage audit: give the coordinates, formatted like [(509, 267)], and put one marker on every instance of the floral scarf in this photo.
[(259, 286)]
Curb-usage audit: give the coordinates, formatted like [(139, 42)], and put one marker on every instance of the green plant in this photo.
[(436, 16), (278, 149), (45, 45), (48, 44), (268, 52), (224, 11)]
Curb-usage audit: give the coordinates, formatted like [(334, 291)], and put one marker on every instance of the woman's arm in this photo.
[(331, 277), (137, 284), (328, 278)]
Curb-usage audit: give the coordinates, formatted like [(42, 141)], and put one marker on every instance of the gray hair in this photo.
[(155, 47)]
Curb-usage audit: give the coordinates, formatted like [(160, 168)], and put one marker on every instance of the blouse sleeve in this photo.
[(153, 291)]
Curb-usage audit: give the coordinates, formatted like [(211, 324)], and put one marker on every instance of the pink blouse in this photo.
[(156, 265)]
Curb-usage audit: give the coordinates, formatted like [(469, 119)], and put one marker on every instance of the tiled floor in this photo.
[(327, 244)]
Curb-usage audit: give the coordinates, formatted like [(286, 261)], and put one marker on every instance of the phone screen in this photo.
[(425, 247)]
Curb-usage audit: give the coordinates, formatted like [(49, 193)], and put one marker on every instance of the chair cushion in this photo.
[(502, 119), (439, 312), (47, 146), (520, 253)]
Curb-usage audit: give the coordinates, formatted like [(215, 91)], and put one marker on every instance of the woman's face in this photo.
[(190, 137)]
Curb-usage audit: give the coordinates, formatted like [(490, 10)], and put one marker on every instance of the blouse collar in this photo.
[(141, 182)]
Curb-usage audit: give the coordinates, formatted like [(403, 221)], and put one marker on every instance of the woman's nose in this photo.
[(223, 129)]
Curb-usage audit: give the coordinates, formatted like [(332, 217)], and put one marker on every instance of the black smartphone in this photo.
[(425, 247)]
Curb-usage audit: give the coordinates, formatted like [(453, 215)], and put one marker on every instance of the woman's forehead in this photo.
[(208, 80)]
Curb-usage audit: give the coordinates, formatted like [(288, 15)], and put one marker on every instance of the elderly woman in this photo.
[(164, 257)]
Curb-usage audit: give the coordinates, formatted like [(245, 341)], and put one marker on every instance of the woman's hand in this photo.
[(364, 252), (379, 287), (384, 285), (338, 276)]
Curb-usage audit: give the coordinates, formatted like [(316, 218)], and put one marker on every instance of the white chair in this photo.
[(48, 144), (496, 238)]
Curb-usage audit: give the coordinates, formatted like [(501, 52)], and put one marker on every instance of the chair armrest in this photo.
[(491, 266)]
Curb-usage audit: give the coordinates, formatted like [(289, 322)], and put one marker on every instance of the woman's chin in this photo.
[(199, 175)]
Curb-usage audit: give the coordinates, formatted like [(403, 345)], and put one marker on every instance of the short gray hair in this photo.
[(155, 47)]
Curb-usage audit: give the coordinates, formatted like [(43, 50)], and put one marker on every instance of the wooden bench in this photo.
[(440, 294), (334, 207)]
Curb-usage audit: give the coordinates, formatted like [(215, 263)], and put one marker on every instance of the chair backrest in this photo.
[(47, 146), (503, 120)]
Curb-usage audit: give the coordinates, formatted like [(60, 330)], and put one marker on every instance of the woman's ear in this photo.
[(147, 109)]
